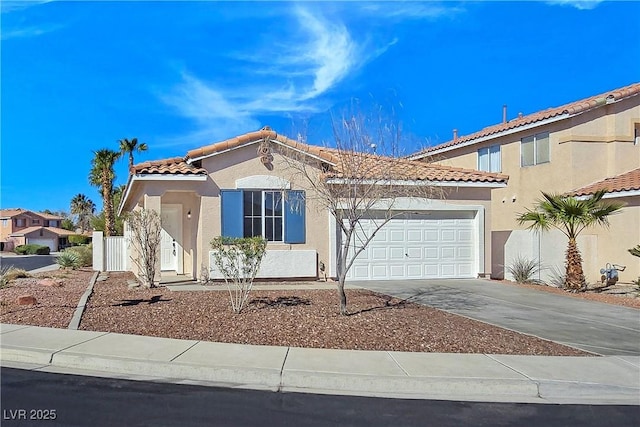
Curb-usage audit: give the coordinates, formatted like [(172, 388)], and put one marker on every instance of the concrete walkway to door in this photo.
[(592, 326)]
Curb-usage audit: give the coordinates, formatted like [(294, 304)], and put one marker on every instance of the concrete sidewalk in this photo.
[(465, 377)]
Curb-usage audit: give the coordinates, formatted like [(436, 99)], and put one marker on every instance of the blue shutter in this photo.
[(294, 215), (231, 213)]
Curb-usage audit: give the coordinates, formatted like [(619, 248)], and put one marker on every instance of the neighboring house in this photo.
[(572, 149), (244, 186), (20, 227)]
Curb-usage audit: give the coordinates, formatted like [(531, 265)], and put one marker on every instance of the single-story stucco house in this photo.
[(244, 186)]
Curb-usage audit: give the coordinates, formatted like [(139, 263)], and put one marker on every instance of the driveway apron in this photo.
[(588, 325)]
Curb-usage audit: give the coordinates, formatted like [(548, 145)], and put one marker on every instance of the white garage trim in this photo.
[(418, 206)]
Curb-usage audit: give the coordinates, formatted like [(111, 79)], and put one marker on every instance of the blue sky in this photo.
[(79, 76)]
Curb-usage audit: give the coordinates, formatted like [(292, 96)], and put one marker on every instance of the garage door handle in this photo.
[(407, 255)]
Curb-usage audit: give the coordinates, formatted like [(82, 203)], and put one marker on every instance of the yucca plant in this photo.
[(524, 270), (68, 259)]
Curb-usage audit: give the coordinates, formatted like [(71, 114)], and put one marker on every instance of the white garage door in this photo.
[(43, 242), (439, 244)]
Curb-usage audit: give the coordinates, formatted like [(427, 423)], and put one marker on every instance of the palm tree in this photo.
[(128, 147), (102, 176), (570, 215), (84, 208)]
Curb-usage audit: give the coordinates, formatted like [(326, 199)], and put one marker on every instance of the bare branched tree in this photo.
[(145, 238), (358, 181)]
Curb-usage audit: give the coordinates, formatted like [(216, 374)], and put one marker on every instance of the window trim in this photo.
[(536, 137)]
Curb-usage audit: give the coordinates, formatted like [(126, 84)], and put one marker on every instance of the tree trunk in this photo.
[(343, 296), (109, 223), (574, 280)]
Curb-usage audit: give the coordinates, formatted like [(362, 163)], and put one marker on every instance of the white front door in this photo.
[(171, 237)]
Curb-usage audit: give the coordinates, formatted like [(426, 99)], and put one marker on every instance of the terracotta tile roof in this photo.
[(262, 134), (629, 181), (173, 166), (55, 230), (377, 167), (10, 213), (344, 164), (48, 216), (570, 109)]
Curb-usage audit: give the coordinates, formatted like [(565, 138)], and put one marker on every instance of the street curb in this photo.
[(267, 379), (82, 304)]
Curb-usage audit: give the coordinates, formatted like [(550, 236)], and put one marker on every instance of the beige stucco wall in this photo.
[(202, 199), (584, 149)]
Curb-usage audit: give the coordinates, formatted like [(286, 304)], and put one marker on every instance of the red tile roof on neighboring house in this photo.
[(570, 109), (54, 230), (173, 166), (9, 213), (629, 181), (343, 163)]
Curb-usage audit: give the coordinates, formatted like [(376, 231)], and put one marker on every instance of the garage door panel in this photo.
[(431, 253), (379, 271), (442, 244), (396, 253), (447, 253), (379, 254), (431, 235), (397, 235), (448, 235)]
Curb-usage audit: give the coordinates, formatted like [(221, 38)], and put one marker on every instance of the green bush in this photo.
[(84, 254), (32, 249), (78, 239), (68, 259)]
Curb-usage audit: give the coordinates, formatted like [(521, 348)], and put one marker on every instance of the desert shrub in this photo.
[(32, 249), (84, 254), (556, 277), (68, 259), (9, 273), (524, 270), (78, 239), (238, 260)]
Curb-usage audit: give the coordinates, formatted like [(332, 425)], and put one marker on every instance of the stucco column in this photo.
[(155, 203)]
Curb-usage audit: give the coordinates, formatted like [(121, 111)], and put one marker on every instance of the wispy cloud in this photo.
[(316, 57), (293, 72), (412, 10), (578, 4), (7, 6), (26, 32)]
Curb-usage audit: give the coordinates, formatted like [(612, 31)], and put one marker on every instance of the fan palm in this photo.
[(570, 215), (102, 176), (84, 208), (131, 146)]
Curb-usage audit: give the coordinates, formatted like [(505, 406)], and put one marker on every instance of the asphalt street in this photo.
[(39, 398), (28, 262)]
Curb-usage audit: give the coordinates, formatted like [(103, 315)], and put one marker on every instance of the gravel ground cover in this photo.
[(291, 317), (54, 304), (301, 318)]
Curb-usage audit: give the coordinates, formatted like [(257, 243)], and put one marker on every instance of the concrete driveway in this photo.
[(592, 326)]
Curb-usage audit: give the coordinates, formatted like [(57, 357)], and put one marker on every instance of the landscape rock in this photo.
[(26, 300), (51, 282)]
